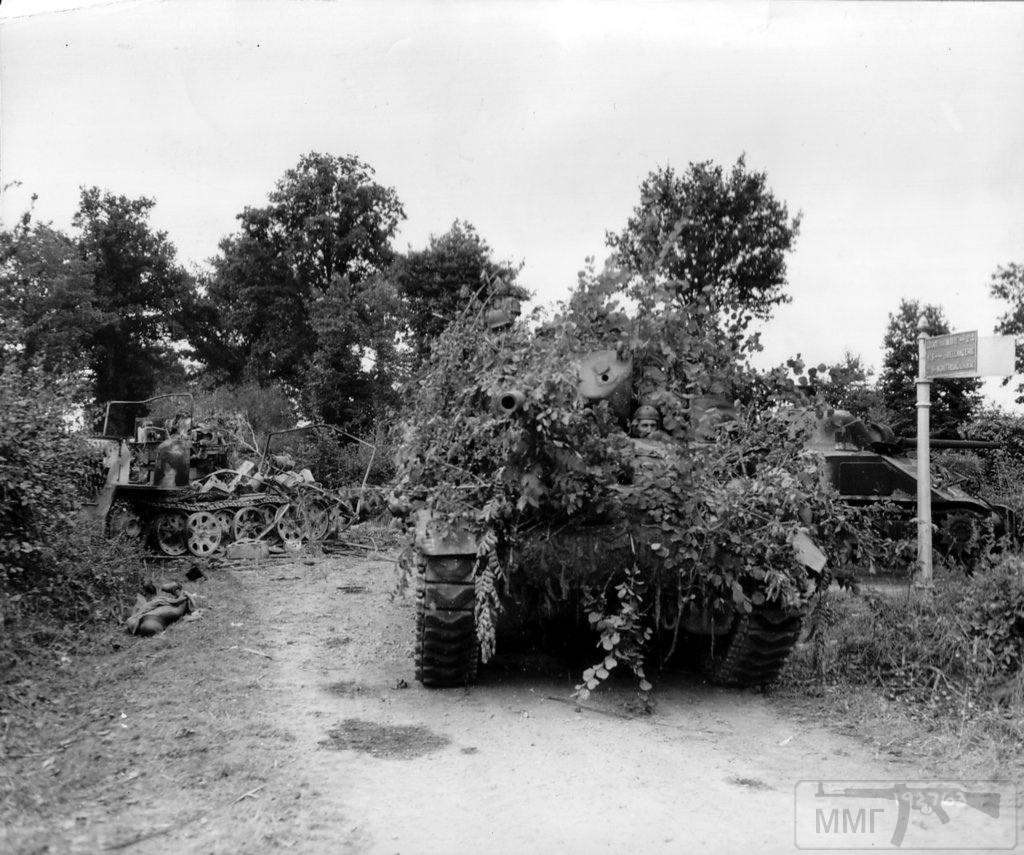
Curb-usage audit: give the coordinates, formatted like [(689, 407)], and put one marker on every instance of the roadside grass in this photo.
[(934, 678), (100, 741)]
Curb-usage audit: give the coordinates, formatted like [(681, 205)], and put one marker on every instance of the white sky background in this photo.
[(898, 129)]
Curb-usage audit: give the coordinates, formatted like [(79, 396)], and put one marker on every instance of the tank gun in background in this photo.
[(867, 463)]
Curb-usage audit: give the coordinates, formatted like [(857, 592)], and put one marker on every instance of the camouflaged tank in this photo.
[(736, 648)]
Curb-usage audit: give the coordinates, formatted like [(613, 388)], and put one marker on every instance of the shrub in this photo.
[(1001, 468), (53, 571), (337, 461), (267, 408), (962, 646), (994, 616), (43, 472)]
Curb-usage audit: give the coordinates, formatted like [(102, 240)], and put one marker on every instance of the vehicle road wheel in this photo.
[(170, 531), (204, 533), (290, 527), (965, 537), (318, 517), (124, 521), (248, 523)]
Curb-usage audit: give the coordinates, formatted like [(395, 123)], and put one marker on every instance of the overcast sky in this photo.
[(897, 129)]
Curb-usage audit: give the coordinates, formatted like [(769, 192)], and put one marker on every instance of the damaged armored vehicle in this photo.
[(186, 487)]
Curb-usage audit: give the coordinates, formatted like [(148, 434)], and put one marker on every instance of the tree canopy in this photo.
[(711, 231), (843, 385), (100, 303), (953, 401), (137, 286), (297, 296), (437, 281), (47, 311)]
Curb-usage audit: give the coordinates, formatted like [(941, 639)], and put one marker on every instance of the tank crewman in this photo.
[(504, 306), (646, 423)]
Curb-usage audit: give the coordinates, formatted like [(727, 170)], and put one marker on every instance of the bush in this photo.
[(337, 462), (963, 646), (53, 571), (44, 471), (266, 408), (1001, 468), (994, 617)]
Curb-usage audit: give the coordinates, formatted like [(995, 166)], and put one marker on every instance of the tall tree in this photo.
[(1008, 284), (711, 229), (138, 289), (954, 402), (293, 290), (436, 282)]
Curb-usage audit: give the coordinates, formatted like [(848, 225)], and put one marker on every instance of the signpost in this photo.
[(963, 354)]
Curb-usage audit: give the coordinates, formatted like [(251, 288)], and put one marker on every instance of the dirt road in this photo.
[(286, 717)]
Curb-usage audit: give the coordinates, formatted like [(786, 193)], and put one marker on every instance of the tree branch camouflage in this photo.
[(709, 522)]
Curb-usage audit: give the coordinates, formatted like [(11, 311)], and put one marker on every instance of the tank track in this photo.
[(755, 651), (447, 651), (245, 500)]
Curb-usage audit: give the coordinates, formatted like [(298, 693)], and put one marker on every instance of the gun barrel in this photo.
[(977, 444), (510, 401)]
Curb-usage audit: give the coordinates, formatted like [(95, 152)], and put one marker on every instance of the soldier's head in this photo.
[(504, 306), (646, 420)]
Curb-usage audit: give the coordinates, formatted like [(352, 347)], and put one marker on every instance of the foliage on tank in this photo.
[(715, 516)]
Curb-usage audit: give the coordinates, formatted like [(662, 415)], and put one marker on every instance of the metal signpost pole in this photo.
[(924, 484)]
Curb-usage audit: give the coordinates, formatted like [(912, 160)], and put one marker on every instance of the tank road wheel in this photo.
[(965, 537), (170, 531), (248, 523), (318, 516), (755, 650), (447, 650), (290, 527), (124, 521), (204, 533)]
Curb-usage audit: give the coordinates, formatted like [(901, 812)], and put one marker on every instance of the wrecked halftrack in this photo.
[(467, 562), (187, 488)]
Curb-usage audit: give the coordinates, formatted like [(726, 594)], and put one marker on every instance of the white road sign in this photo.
[(966, 354)]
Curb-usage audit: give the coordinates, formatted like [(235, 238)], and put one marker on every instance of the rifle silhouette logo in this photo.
[(925, 800)]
